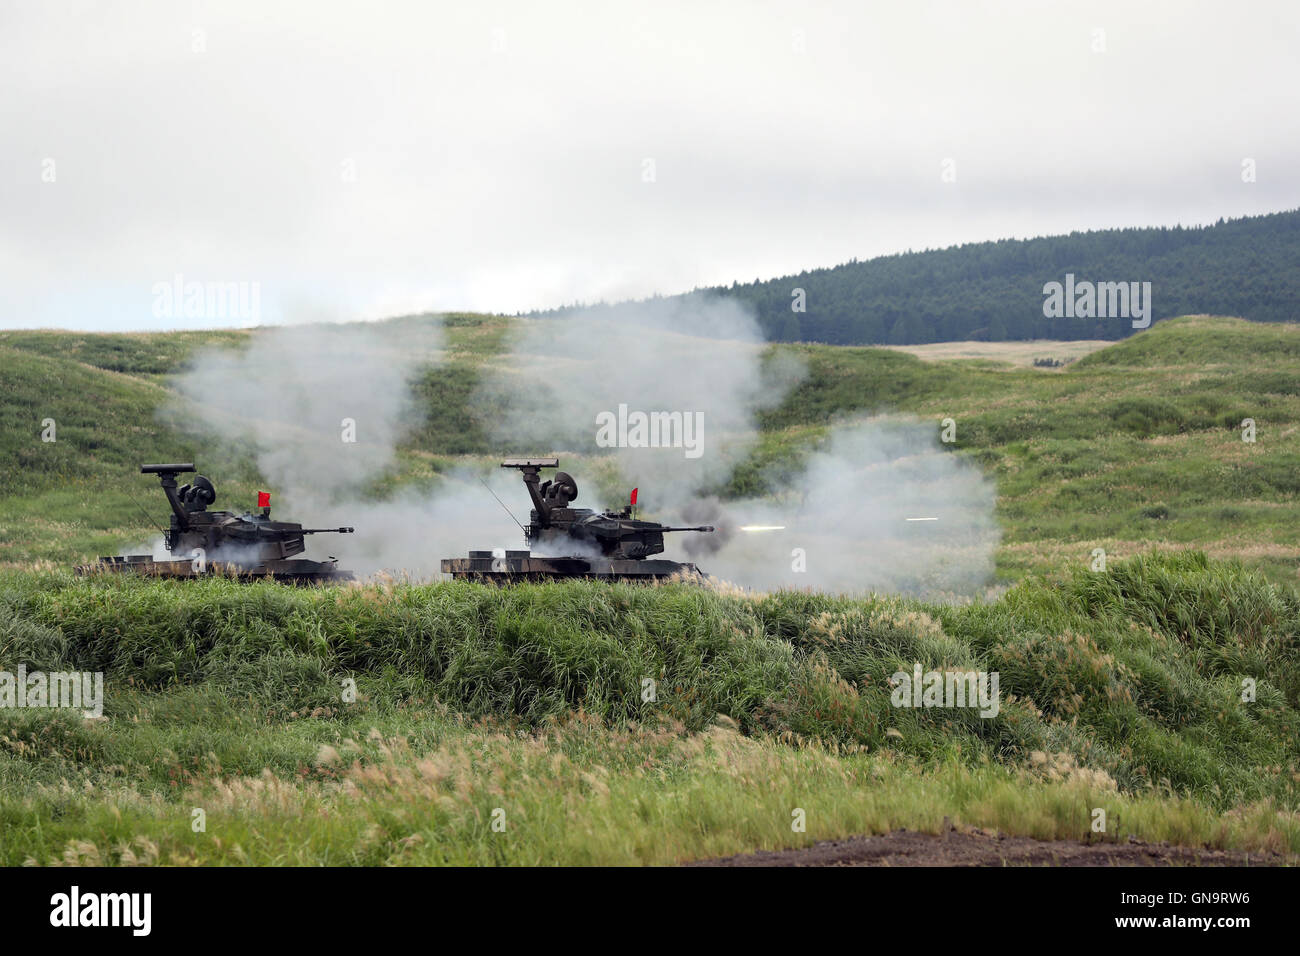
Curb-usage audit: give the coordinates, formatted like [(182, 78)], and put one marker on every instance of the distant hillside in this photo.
[(1248, 267), (1135, 445)]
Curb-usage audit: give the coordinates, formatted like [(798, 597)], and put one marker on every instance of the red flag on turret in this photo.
[(264, 499), (634, 491)]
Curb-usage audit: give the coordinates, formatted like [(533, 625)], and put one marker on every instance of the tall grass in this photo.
[(576, 793), (1136, 673)]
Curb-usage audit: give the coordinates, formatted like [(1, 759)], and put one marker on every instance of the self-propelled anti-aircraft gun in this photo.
[(565, 542), (247, 545)]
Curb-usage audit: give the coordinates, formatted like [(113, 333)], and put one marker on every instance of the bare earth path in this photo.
[(981, 848), (1017, 353)]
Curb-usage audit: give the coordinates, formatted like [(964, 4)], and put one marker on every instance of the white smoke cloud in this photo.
[(322, 409), (700, 359), (882, 507), (323, 406), (845, 511)]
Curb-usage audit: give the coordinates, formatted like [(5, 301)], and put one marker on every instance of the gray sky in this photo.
[(365, 159)]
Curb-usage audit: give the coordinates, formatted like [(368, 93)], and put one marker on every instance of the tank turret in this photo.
[(554, 525), (247, 539)]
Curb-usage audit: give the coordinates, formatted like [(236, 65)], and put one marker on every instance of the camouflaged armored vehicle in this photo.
[(203, 542), (565, 542)]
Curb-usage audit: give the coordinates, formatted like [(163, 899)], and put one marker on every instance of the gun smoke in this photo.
[(285, 395), (844, 522)]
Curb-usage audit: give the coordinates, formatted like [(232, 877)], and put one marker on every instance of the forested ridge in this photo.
[(1248, 267)]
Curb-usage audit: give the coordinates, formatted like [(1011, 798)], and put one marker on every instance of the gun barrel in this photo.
[(703, 527), (327, 530)]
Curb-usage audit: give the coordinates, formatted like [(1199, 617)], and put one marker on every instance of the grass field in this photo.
[(511, 727), (1129, 447), (1121, 692)]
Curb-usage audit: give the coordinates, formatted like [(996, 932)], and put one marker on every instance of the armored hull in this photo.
[(299, 571), (513, 566)]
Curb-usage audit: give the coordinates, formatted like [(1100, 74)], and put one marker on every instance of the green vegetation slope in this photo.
[(1163, 690)]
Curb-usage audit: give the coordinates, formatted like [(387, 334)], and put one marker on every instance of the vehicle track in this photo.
[(974, 847)]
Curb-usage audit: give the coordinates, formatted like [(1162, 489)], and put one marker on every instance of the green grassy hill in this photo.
[(1121, 690), (1136, 445)]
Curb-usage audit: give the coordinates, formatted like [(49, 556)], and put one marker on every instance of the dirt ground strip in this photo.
[(982, 848), (1017, 353)]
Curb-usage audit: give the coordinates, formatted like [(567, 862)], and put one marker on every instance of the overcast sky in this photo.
[(365, 159)]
